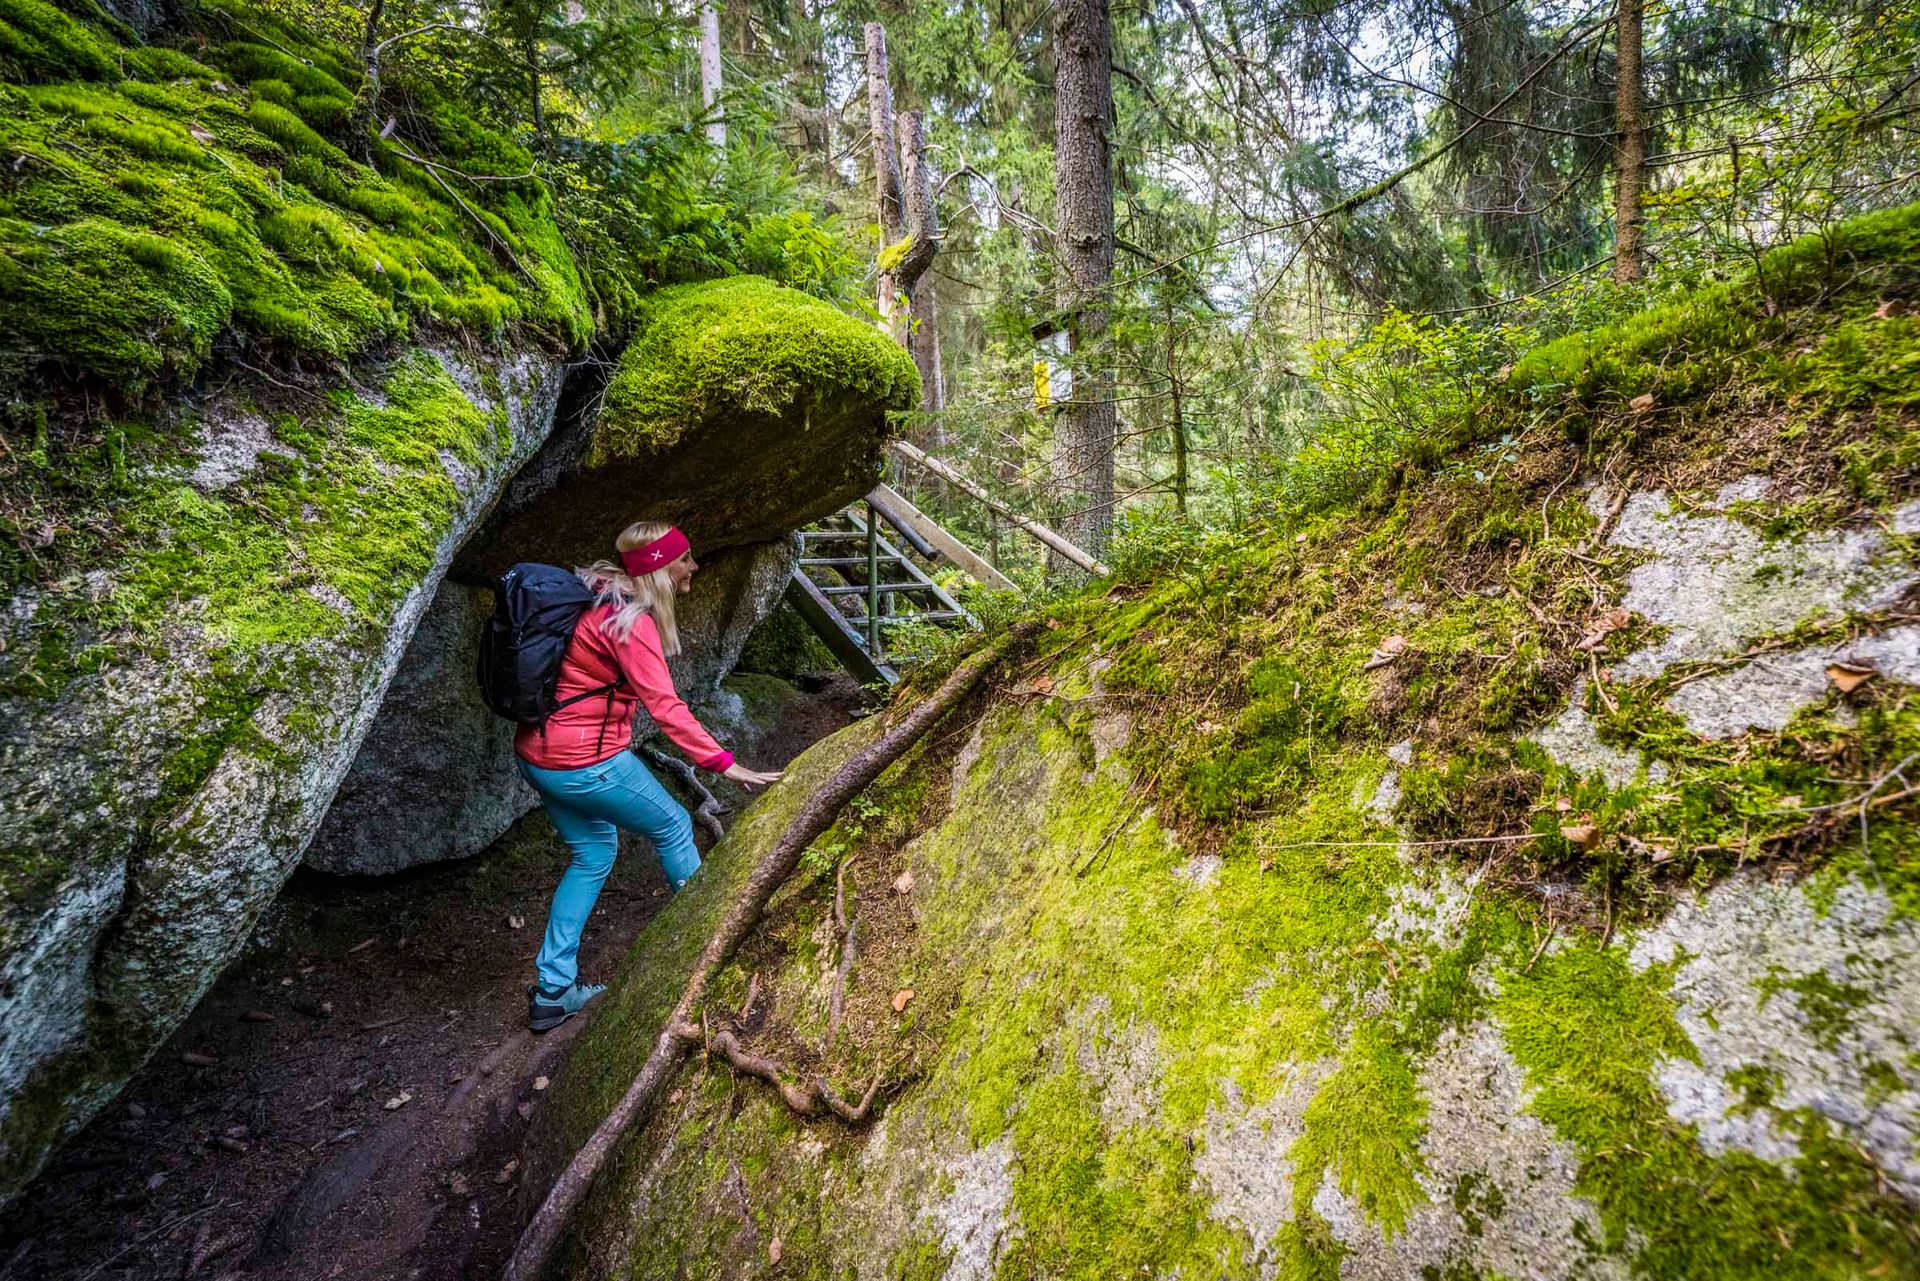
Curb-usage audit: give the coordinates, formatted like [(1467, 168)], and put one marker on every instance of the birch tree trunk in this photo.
[(710, 76), (1630, 156), (1086, 426)]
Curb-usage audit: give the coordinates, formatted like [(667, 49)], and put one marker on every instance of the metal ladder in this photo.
[(859, 641)]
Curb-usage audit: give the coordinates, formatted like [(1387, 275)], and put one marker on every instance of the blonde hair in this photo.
[(648, 594)]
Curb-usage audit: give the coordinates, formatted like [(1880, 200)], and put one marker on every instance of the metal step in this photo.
[(835, 561), (831, 535), (861, 589), (889, 620)]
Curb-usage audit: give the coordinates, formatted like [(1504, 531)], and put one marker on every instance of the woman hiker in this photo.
[(579, 760)]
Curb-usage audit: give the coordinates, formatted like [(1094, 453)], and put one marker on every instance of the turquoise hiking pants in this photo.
[(589, 807)]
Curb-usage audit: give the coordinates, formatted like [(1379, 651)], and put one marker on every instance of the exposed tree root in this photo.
[(543, 1232), (709, 810), (802, 1100)]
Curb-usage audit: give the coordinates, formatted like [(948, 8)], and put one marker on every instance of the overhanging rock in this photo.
[(741, 411)]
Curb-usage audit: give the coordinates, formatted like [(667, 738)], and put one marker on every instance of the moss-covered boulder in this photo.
[(741, 410), (175, 715), (1517, 875)]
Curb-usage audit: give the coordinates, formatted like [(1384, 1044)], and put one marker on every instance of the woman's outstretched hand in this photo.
[(751, 778)]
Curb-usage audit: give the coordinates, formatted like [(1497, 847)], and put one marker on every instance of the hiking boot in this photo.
[(548, 1010)]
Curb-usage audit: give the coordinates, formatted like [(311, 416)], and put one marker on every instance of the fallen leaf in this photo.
[(525, 1110), (398, 1101), (676, 1096), (901, 998), (1793, 802), (540, 1083), (1385, 652), (1209, 727), (903, 883), (1583, 835), (226, 1143), (506, 1171), (1563, 805), (200, 135), (193, 1058), (1641, 404), (1847, 677), (1053, 624), (256, 1016), (1887, 310), (1614, 620), (515, 922), (1038, 687), (457, 1184), (773, 1250), (1773, 308)]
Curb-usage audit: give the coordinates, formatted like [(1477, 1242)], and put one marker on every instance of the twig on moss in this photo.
[(836, 1006), (1407, 845), (1552, 923), (406, 153), (678, 1035)]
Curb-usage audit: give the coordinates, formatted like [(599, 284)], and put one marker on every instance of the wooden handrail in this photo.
[(1067, 551)]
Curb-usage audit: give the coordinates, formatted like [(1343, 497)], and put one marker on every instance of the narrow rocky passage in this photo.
[(350, 1098)]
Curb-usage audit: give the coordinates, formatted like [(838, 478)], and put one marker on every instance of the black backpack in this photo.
[(535, 609)]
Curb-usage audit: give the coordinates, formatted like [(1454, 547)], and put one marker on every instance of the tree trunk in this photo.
[(1179, 418), (367, 104), (531, 52), (921, 323), (710, 83), (886, 170), (1630, 157), (1086, 426)]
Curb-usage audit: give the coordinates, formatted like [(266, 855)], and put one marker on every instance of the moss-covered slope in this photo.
[(1371, 898), (162, 197)]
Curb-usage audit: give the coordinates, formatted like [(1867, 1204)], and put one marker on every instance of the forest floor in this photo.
[(349, 1100)]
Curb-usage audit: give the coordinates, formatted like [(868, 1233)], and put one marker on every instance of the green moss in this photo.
[(1589, 1032), (748, 346), (39, 42), (268, 227)]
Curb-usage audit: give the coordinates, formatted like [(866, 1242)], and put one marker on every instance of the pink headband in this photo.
[(662, 551)]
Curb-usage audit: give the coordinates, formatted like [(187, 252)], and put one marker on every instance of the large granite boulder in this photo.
[(173, 723), (740, 411), (1311, 1036)]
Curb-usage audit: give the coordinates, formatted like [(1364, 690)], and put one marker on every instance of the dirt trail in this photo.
[(350, 1098)]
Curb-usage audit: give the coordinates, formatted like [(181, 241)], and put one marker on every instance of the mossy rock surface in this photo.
[(741, 410), (178, 713), (1371, 900)]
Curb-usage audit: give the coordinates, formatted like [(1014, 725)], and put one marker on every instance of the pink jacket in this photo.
[(592, 730)]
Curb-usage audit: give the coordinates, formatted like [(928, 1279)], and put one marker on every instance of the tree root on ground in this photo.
[(707, 813), (802, 1100), (543, 1232)]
